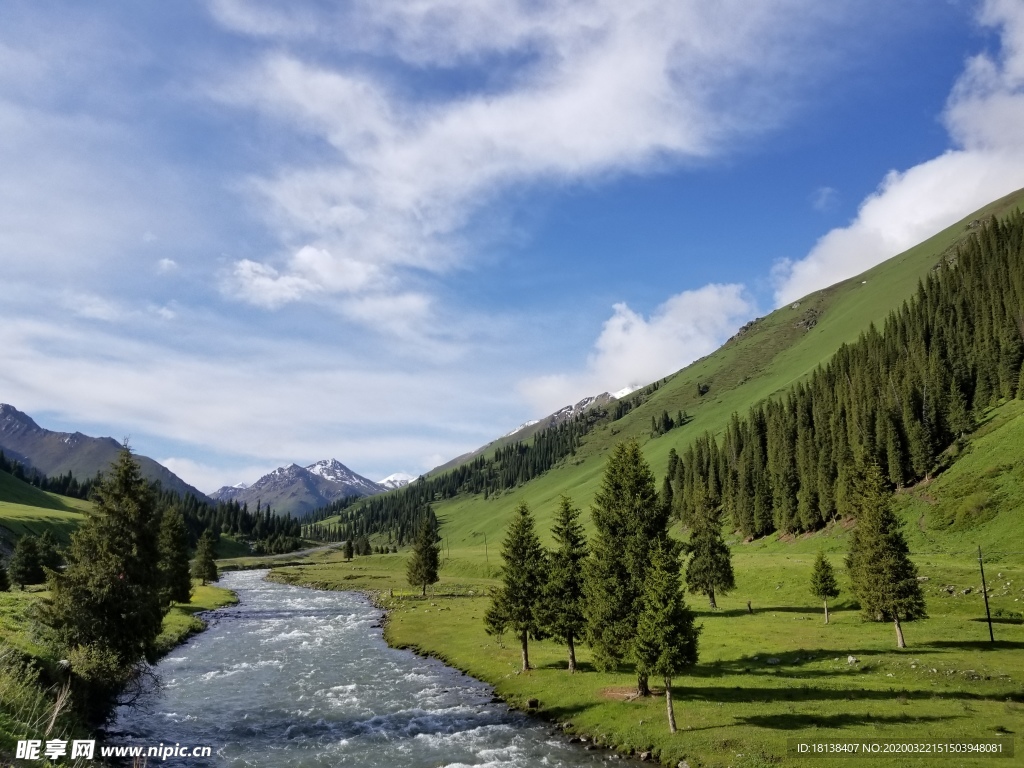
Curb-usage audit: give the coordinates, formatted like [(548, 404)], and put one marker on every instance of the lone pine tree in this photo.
[(884, 578), (564, 598), (709, 569), (105, 607), (175, 577), (823, 581), (518, 604), (26, 567), (203, 566), (425, 560), (666, 636), (629, 519)]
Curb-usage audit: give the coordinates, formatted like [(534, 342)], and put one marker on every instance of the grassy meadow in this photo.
[(762, 678), (779, 672)]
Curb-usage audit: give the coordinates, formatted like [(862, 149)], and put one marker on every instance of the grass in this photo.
[(181, 622), (24, 509), (762, 678), (30, 707), (779, 672)]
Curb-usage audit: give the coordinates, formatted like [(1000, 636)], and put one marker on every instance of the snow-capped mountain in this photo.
[(336, 472), (300, 490), (397, 480)]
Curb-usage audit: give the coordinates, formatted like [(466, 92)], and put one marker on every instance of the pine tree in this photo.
[(350, 550), (884, 578), (105, 608), (25, 567), (426, 556), (564, 597), (823, 581), (175, 578), (518, 603), (709, 569), (49, 552), (5, 584), (666, 636), (203, 566), (629, 520)]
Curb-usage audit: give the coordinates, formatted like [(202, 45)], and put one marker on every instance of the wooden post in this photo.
[(984, 591)]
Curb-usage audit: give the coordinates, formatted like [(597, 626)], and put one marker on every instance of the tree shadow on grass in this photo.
[(704, 611), (793, 722), (563, 664), (1001, 620), (806, 693), (978, 645), (793, 663)]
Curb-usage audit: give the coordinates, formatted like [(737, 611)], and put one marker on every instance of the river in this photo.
[(296, 677)]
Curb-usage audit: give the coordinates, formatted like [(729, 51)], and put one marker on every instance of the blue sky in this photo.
[(250, 233)]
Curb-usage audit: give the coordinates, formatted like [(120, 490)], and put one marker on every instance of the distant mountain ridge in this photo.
[(300, 490), (56, 453), (524, 431)]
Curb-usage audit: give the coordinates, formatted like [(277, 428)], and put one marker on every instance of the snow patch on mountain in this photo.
[(522, 426), (397, 480), (625, 391)]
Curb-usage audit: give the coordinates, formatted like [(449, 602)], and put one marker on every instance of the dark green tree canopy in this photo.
[(666, 638), (175, 578), (823, 579), (564, 597), (709, 570), (884, 577), (204, 566), (26, 566), (518, 604), (108, 597), (425, 561), (629, 519)]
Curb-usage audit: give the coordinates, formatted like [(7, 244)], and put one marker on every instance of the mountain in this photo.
[(397, 480), (762, 361), (530, 428), (300, 490), (56, 453)]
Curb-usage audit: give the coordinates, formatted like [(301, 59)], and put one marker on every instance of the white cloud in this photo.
[(208, 478), (984, 116), (166, 265), (824, 198), (91, 306), (600, 87), (259, 402), (632, 350)]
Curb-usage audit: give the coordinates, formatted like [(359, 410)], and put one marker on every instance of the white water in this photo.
[(296, 677)]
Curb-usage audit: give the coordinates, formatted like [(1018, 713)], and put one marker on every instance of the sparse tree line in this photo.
[(622, 594), (268, 533), (664, 423), (111, 586), (896, 398), (66, 484)]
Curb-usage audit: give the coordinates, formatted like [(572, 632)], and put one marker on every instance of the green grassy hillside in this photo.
[(764, 360), (24, 509)]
